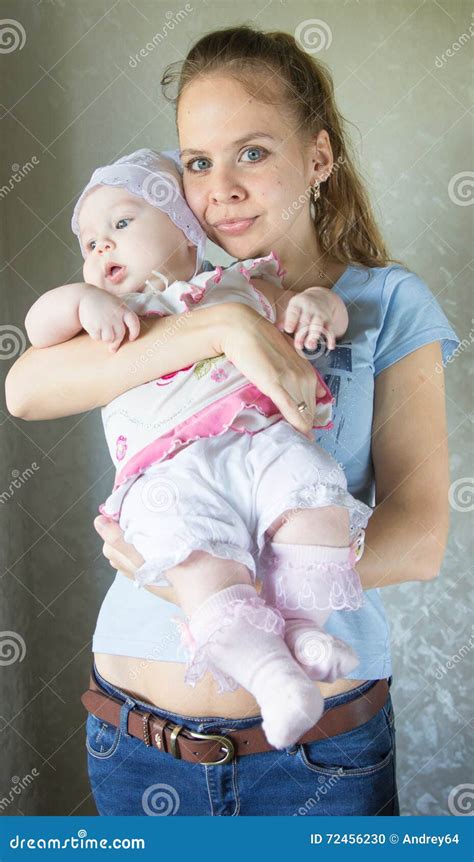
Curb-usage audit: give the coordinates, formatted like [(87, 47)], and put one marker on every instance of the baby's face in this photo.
[(125, 238)]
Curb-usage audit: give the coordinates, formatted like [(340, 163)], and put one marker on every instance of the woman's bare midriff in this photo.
[(161, 683)]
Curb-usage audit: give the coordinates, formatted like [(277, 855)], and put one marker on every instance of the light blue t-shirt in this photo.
[(392, 312)]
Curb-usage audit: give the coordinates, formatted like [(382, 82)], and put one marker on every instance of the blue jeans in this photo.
[(352, 773)]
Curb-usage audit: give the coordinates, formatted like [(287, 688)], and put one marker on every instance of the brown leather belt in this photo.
[(186, 744)]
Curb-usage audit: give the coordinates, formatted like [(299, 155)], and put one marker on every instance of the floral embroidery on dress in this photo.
[(120, 447), (204, 366), (219, 374), (166, 378)]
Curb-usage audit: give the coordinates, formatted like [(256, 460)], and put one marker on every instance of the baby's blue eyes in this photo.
[(91, 244), (255, 154)]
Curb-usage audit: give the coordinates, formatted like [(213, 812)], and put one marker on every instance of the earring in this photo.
[(315, 194), (315, 191)]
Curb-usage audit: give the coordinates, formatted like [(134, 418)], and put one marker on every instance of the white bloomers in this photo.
[(221, 494)]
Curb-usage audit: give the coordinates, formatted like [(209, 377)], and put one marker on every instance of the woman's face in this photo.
[(247, 170)]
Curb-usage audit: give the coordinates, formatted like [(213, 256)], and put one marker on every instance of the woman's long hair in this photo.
[(344, 220)]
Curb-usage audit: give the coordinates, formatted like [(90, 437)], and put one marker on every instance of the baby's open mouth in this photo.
[(115, 272)]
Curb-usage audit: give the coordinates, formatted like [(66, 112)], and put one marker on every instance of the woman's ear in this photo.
[(322, 158)]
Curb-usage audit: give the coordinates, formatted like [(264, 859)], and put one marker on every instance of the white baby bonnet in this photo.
[(155, 177)]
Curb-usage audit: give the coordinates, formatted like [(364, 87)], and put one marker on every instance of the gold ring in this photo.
[(302, 406)]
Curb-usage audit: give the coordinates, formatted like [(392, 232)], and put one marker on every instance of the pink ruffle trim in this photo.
[(255, 611)]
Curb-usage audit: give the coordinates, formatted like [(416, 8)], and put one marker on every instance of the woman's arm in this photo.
[(406, 536), (82, 374)]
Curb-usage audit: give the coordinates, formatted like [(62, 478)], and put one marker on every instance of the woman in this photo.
[(260, 134)]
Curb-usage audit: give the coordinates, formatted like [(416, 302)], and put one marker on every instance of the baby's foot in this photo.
[(290, 707), (322, 656)]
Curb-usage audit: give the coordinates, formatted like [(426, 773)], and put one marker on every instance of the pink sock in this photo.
[(306, 583), (239, 639)]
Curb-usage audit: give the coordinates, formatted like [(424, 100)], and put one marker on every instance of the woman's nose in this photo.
[(225, 189)]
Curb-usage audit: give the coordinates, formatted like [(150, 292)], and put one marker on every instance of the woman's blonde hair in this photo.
[(344, 220)]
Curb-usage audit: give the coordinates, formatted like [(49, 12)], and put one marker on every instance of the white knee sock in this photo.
[(239, 639)]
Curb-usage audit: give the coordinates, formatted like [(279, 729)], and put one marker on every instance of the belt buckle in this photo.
[(224, 740)]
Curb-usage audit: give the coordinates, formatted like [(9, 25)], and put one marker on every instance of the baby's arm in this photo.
[(62, 313), (54, 317), (309, 313)]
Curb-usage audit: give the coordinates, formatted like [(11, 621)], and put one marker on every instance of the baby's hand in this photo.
[(309, 315), (106, 318)]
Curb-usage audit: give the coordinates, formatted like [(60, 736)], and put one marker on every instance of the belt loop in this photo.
[(124, 711)]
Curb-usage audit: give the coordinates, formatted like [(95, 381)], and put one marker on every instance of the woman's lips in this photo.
[(234, 227)]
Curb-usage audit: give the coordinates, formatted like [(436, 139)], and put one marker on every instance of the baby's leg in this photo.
[(309, 573), (234, 635)]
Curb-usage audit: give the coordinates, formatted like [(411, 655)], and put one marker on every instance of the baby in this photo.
[(208, 471)]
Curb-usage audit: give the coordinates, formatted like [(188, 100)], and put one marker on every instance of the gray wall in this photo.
[(73, 98)]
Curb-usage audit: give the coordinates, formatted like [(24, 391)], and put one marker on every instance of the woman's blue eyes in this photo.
[(91, 244), (202, 164)]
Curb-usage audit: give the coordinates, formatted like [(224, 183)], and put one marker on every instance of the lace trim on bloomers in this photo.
[(254, 610), (152, 571), (316, 496)]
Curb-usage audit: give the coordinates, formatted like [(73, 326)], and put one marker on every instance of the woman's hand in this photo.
[(124, 557), (269, 359)]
